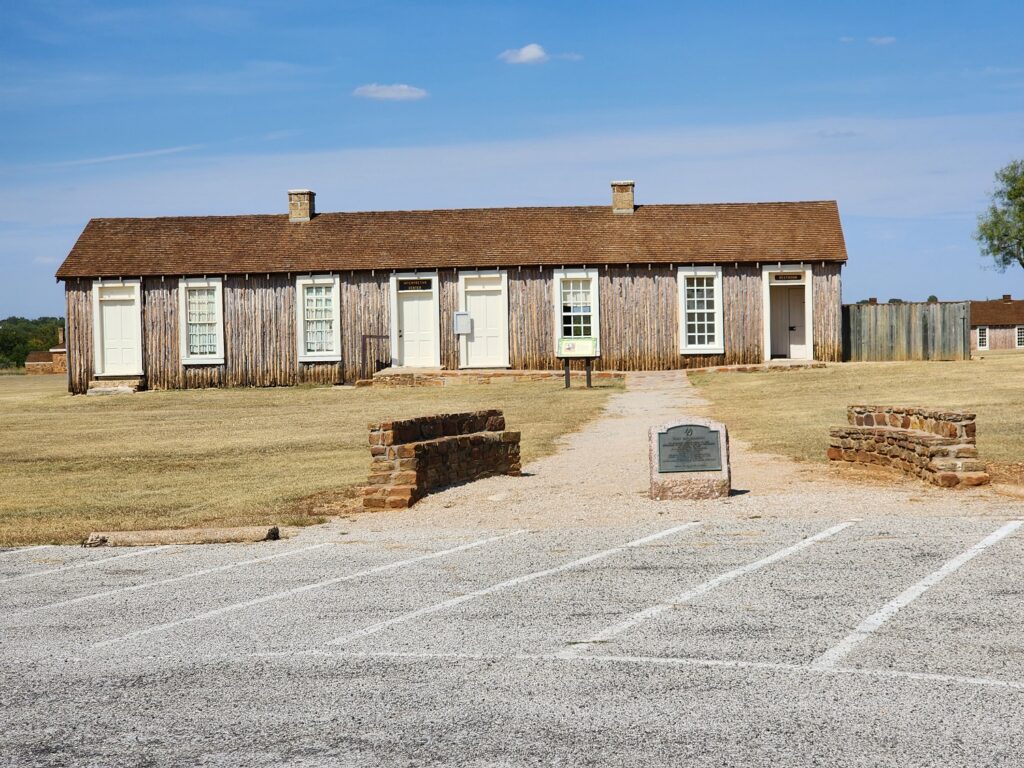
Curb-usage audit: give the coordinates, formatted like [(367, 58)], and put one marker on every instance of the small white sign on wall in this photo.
[(463, 324)]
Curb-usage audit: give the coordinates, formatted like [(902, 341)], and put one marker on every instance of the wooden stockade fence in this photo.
[(909, 331)]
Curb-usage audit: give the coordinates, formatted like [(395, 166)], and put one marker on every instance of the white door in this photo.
[(780, 321), (486, 346), (417, 329), (797, 332), (119, 333)]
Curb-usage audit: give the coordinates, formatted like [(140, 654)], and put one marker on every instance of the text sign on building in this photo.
[(416, 284), (787, 277), (689, 448)]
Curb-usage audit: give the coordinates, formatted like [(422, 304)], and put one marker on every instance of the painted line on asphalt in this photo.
[(86, 564), (444, 605), (20, 550), (161, 582), (866, 628), (656, 610), (663, 661), (300, 590)]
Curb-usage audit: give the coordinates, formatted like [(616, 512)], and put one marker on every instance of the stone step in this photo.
[(115, 386)]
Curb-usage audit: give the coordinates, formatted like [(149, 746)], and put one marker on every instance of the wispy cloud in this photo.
[(882, 40), (125, 156), (393, 92), (847, 39)]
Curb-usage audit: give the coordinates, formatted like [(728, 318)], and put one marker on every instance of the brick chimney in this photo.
[(301, 204), (622, 197), (1006, 298), (873, 300)]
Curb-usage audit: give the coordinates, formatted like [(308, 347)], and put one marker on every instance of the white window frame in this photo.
[(393, 305), (301, 283), (987, 336), (715, 272), (184, 285), (1019, 330), (97, 330), (463, 288), (595, 305)]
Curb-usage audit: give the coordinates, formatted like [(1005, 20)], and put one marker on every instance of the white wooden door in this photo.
[(797, 332), (417, 329), (119, 321), (780, 321), (487, 344)]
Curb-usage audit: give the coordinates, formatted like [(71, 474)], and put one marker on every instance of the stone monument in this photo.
[(690, 460)]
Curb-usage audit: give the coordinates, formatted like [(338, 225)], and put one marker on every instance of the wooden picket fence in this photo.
[(909, 331)]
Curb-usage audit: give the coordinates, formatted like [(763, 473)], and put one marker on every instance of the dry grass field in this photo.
[(789, 412), (221, 457)]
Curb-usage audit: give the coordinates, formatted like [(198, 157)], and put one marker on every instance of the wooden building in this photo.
[(269, 300), (997, 324)]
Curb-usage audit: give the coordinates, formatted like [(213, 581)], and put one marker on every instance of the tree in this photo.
[(19, 336), (1001, 229), (933, 299)]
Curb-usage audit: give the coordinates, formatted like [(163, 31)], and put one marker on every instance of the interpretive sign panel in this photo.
[(689, 460), (689, 448)]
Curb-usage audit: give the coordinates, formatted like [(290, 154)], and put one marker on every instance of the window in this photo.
[(1020, 337), (319, 319), (700, 310), (202, 321), (577, 314), (982, 337)]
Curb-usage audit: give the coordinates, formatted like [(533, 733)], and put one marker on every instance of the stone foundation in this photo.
[(936, 446), (391, 377), (412, 457)]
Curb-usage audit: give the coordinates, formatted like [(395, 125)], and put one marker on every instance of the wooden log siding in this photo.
[(828, 312), (639, 325), (78, 295)]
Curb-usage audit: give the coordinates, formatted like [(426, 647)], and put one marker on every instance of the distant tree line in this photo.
[(19, 336)]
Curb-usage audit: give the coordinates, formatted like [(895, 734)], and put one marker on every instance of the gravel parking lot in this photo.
[(797, 624), (704, 644)]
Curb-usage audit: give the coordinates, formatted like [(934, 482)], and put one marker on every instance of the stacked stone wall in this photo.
[(934, 445), (411, 457)]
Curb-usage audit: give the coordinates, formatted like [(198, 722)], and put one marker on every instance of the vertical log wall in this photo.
[(909, 331), (639, 307)]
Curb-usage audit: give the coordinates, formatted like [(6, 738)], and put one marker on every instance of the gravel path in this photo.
[(600, 478)]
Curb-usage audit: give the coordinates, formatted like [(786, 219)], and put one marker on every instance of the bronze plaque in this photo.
[(689, 448)]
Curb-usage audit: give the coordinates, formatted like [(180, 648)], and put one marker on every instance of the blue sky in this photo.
[(900, 111)]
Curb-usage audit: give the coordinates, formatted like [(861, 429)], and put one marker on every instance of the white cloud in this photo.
[(126, 156), (847, 39), (393, 92), (883, 40), (532, 53)]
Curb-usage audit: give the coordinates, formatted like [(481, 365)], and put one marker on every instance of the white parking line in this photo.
[(864, 630), (161, 582), (658, 661), (20, 550), (374, 628), (300, 590), (86, 564), (656, 610)]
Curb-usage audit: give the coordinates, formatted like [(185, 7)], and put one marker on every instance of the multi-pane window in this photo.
[(318, 319), (982, 337), (202, 321), (701, 328), (700, 310), (577, 311), (1020, 336)]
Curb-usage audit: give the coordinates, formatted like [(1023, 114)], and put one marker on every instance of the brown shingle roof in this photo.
[(997, 312), (482, 237)]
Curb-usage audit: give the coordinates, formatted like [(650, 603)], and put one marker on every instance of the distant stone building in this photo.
[(54, 360), (997, 324)]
